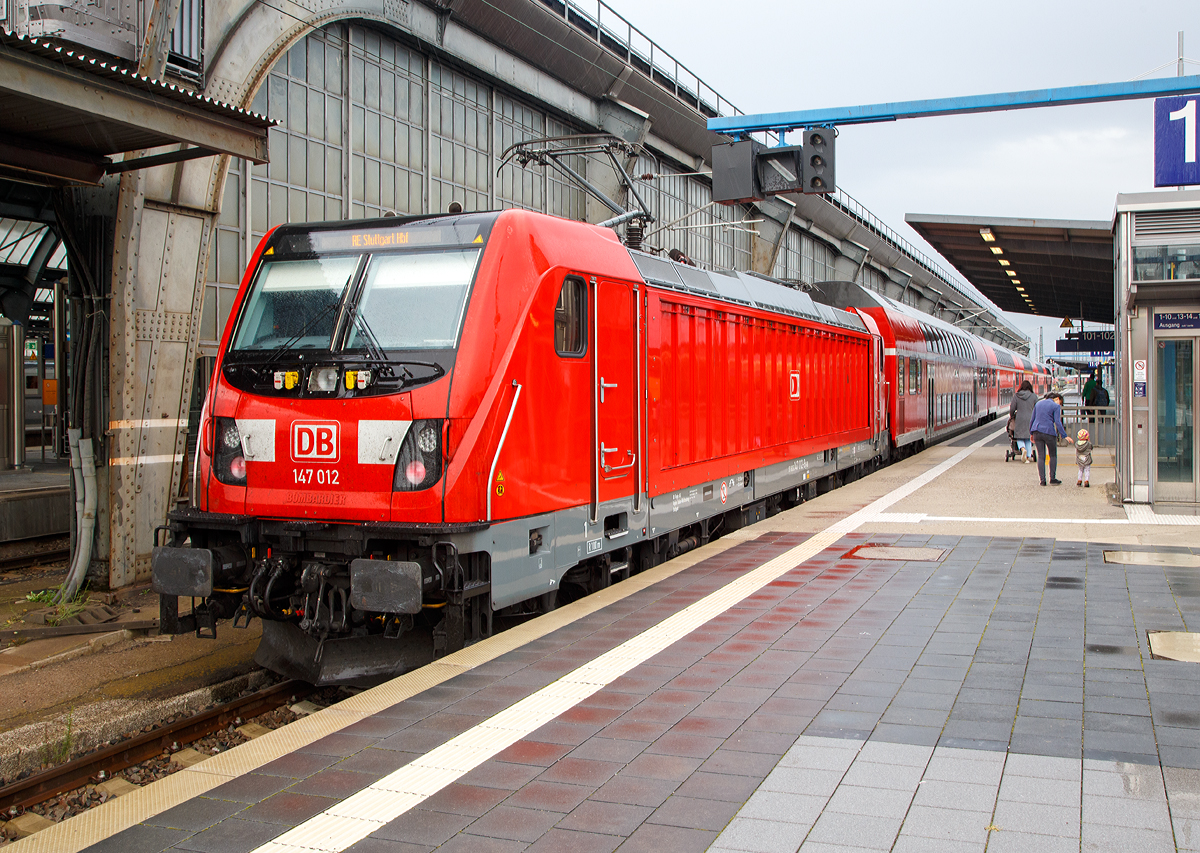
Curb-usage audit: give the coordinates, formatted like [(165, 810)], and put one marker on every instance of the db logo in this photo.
[(314, 441)]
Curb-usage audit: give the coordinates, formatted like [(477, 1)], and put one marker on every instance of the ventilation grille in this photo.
[(1178, 226)]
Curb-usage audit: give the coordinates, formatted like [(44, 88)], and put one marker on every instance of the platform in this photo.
[(943, 656), (36, 500)]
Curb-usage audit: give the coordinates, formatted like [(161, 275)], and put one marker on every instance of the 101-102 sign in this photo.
[(1175, 160)]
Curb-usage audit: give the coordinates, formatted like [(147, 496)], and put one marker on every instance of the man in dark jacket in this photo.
[(1045, 428)]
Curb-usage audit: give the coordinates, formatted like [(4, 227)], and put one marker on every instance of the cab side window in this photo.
[(900, 381), (570, 319)]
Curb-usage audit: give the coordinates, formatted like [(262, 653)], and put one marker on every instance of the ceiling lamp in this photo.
[(987, 235)]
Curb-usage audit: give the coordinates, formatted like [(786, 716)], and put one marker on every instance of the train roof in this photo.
[(852, 294), (742, 288)]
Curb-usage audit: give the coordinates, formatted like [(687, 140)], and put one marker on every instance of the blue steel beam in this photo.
[(1097, 93)]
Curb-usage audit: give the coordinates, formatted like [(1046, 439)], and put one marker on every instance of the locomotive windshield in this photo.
[(413, 301), (406, 301), (295, 302)]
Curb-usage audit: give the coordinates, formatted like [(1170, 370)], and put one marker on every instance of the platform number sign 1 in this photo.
[(1175, 160)]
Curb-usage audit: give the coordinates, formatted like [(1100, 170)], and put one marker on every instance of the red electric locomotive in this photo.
[(418, 423)]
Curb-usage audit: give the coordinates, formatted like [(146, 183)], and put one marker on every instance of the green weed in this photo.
[(58, 752)]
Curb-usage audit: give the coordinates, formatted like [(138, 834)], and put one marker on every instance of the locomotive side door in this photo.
[(615, 457)]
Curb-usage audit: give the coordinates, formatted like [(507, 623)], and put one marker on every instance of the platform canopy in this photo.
[(64, 116), (1047, 267)]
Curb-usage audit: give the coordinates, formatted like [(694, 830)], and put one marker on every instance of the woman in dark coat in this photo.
[(1021, 410)]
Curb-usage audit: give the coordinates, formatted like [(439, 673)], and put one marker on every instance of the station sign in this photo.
[(1175, 160), (1177, 320), (1099, 341)]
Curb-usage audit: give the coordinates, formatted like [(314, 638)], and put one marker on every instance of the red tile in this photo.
[(608, 818), (685, 745), (609, 749), (569, 734), (466, 843), (750, 739), (550, 796), (422, 826), (781, 723), (739, 711), (630, 729), (458, 798), (516, 824), (579, 771), (533, 752), (719, 786), (502, 774), (693, 813), (610, 699), (720, 727), (673, 767), (635, 791), (651, 838), (755, 764), (569, 841), (592, 715), (287, 808)]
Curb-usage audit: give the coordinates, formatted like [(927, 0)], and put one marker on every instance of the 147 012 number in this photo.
[(320, 476)]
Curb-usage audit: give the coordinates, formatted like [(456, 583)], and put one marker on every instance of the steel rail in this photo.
[(29, 561), (40, 787)]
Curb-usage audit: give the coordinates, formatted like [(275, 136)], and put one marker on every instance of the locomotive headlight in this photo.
[(427, 440), (419, 462), (415, 472), (228, 463), (230, 439), (324, 379)]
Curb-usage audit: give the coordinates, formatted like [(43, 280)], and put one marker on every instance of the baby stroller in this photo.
[(1013, 451)]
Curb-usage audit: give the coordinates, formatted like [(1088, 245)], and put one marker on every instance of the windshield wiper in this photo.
[(287, 345), (375, 351)]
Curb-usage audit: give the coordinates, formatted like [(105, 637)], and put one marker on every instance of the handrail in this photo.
[(599, 28), (504, 435)]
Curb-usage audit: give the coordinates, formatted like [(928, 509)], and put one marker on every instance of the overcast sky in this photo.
[(1056, 163)]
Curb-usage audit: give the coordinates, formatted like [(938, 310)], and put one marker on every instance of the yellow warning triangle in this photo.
[(500, 477), (270, 251), (478, 239)]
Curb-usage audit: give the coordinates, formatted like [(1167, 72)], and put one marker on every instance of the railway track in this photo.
[(32, 553), (81, 771)]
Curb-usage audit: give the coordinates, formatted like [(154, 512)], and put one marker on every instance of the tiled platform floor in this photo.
[(1001, 698)]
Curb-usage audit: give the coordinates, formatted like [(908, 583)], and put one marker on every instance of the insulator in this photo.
[(633, 234)]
